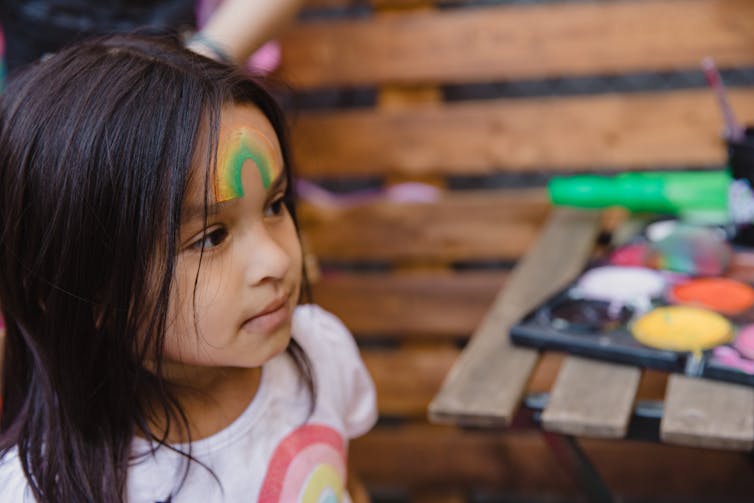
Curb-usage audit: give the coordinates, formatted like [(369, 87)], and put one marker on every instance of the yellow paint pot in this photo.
[(682, 328)]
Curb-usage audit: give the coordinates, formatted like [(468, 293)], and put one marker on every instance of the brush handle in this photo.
[(734, 131)]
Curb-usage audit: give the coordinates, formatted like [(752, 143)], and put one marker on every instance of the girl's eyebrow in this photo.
[(194, 212), (278, 183)]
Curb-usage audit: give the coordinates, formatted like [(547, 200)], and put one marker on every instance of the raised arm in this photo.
[(238, 27)]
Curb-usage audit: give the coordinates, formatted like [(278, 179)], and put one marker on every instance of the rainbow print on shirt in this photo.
[(243, 144), (308, 466)]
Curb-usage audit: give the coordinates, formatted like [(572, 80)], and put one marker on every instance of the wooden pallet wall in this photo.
[(484, 100)]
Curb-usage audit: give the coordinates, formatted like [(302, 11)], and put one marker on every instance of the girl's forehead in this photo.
[(235, 117), (246, 140)]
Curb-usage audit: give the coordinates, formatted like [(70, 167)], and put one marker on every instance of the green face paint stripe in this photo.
[(240, 156), (229, 182)]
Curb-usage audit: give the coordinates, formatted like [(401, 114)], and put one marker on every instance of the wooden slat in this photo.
[(471, 225), (437, 456), (520, 466), (705, 413), (407, 378), (516, 42), (421, 305), (598, 132), (645, 471), (592, 398), (652, 383), (380, 4), (485, 384), (330, 3)]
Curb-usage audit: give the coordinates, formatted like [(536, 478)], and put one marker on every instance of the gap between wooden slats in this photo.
[(463, 225), (647, 130), (592, 398), (515, 42), (704, 413), (485, 385)]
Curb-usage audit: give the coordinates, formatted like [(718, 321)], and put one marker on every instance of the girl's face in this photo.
[(250, 274)]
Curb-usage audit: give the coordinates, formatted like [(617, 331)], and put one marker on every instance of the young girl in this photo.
[(150, 273)]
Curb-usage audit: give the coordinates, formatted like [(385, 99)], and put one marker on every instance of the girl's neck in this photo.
[(211, 398)]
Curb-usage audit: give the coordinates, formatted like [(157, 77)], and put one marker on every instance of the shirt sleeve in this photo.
[(341, 378)]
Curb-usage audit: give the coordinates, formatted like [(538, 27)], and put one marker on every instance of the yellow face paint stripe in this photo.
[(244, 144)]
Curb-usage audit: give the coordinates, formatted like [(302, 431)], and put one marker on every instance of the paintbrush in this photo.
[(734, 132)]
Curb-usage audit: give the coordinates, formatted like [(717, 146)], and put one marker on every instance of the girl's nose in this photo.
[(268, 256)]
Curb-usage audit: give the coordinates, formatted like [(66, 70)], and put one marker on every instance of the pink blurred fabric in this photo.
[(408, 192)]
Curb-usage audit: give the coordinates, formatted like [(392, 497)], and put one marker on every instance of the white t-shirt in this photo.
[(280, 449)]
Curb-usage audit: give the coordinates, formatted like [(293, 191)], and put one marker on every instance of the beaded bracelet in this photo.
[(218, 52)]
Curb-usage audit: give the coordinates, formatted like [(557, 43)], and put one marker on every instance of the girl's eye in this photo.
[(212, 238), (275, 208)]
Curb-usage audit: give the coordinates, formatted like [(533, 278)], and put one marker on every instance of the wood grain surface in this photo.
[(604, 132), (460, 226), (486, 383), (592, 398), (519, 42), (421, 305), (704, 413)]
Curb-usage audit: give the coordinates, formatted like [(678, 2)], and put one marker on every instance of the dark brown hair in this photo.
[(96, 147)]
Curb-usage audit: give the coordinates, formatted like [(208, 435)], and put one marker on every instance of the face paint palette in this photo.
[(672, 298)]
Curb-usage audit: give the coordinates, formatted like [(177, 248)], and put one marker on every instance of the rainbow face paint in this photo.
[(242, 145)]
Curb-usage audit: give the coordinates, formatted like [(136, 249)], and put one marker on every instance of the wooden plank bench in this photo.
[(589, 398), (485, 102)]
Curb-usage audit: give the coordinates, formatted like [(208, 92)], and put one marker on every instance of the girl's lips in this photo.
[(270, 320)]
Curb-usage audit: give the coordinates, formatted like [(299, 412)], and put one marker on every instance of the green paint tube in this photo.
[(679, 193)]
